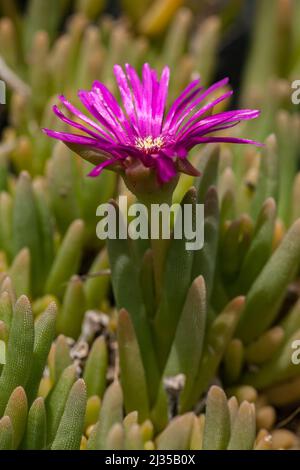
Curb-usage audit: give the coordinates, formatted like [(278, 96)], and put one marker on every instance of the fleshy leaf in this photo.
[(217, 420), (133, 377)]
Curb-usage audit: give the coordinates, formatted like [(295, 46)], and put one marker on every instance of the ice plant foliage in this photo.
[(141, 132)]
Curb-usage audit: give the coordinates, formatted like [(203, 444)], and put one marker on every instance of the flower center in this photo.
[(148, 144)]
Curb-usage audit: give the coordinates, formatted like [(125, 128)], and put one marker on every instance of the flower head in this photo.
[(141, 132)]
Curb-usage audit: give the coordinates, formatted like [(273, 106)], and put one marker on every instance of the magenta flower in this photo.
[(141, 132)]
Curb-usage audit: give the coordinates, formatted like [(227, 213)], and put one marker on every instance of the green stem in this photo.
[(143, 183), (159, 250), (159, 246)]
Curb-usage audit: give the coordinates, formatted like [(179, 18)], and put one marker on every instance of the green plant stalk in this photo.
[(19, 351), (160, 245), (35, 435), (6, 433)]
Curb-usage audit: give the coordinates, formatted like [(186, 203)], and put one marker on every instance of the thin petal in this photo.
[(213, 122), (185, 108), (83, 117), (88, 100), (202, 111), (114, 110), (195, 102), (159, 104), (73, 138), (106, 115), (136, 86), (177, 103), (75, 124), (90, 149), (233, 140), (146, 115), (126, 94), (99, 168)]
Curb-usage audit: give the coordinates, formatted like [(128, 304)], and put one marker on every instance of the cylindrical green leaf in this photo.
[(71, 313), (61, 357), (266, 294), (6, 215), (44, 334), (177, 434), (6, 433), (261, 246), (67, 259), (262, 349), (92, 411), (90, 8), (282, 366), (56, 400), (96, 367), (19, 354), (133, 377), (177, 280), (97, 283), (94, 191), (6, 286), (233, 360), (111, 412), (147, 283), (208, 167), (133, 438), (46, 225), (115, 438), (205, 259), (267, 185), (70, 429), (35, 436), (128, 295), (26, 229), (17, 409), (243, 431), (6, 310), (19, 272), (218, 337), (62, 175), (217, 420)]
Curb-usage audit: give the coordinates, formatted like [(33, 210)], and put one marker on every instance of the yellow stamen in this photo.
[(148, 143)]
